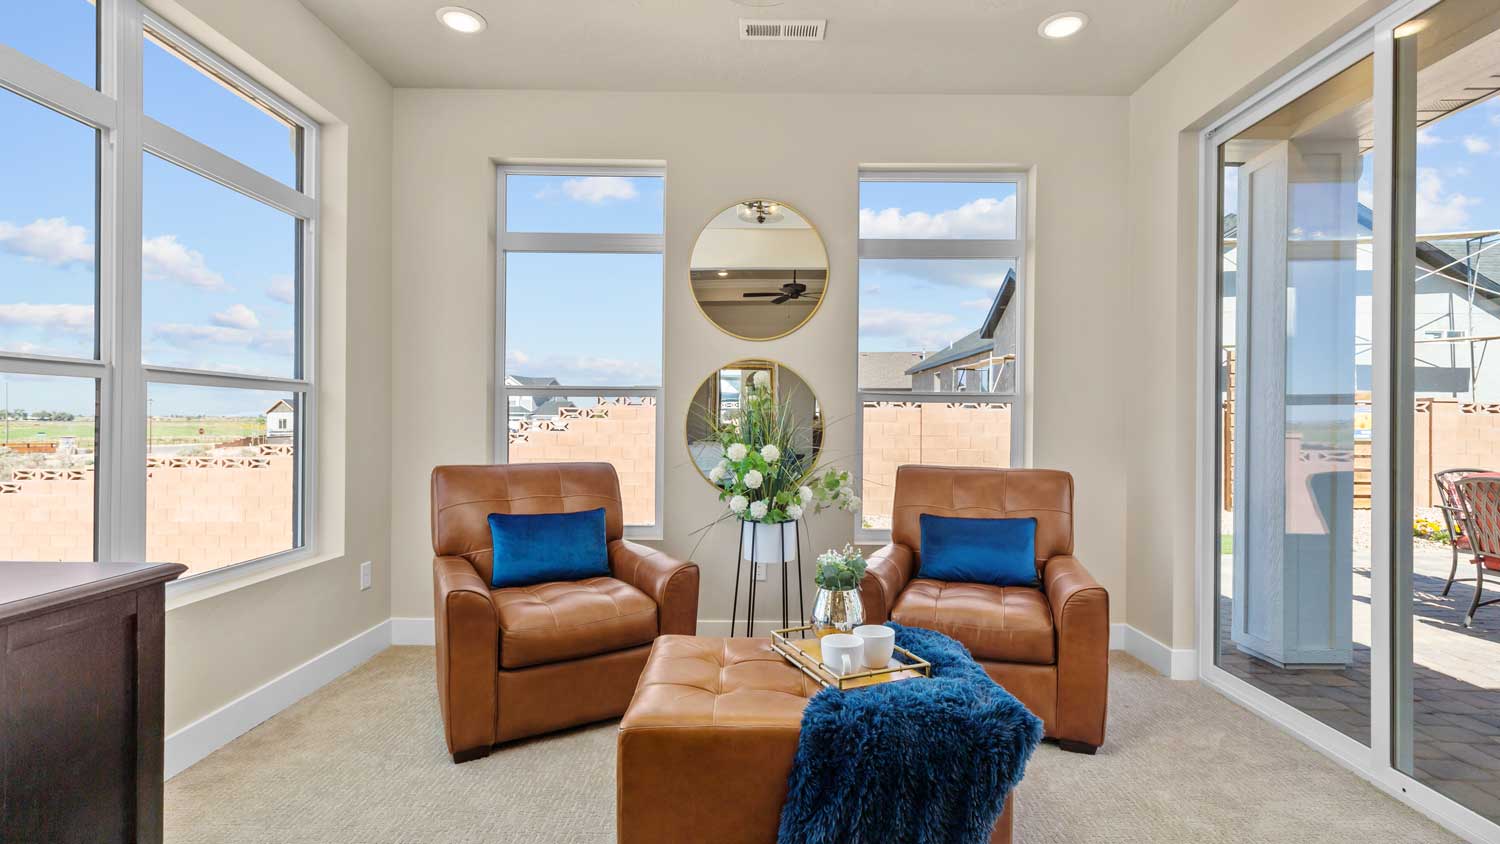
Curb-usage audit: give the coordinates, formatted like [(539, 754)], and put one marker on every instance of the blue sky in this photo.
[(218, 267)]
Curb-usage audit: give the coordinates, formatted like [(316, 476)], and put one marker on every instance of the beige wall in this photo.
[(220, 647), (1248, 47), (804, 150)]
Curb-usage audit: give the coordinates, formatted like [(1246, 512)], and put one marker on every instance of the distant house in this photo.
[(524, 405), (281, 419), (982, 361), (886, 370)]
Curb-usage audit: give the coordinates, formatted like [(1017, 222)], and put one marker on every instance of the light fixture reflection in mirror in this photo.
[(718, 397), (759, 270)]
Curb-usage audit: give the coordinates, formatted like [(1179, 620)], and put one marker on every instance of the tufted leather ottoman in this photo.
[(707, 744)]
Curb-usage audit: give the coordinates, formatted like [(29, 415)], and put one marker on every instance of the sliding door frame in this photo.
[(1391, 483)]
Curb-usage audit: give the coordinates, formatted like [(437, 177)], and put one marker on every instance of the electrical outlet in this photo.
[(760, 571), (365, 574)]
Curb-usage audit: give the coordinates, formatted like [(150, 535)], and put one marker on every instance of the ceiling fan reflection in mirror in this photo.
[(789, 291)]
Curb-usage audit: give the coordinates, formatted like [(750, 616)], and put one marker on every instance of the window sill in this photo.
[(645, 533), (212, 584)]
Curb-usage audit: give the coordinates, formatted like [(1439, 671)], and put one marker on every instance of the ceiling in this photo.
[(882, 46)]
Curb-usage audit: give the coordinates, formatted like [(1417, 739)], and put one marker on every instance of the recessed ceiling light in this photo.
[(1063, 24), (723, 274), (459, 19)]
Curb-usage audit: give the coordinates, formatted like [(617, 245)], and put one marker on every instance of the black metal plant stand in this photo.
[(751, 590)]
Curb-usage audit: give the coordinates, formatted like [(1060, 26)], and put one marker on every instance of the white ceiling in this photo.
[(884, 46)]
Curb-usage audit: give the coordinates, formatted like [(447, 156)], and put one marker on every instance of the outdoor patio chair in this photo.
[(1480, 497), (1453, 517)]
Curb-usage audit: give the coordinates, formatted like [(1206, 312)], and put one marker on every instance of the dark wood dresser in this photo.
[(81, 701)]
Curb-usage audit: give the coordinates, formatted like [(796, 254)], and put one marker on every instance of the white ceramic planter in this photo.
[(771, 543)]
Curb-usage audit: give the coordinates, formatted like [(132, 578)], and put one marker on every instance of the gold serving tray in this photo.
[(807, 655)]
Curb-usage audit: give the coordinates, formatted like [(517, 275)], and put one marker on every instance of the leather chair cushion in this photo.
[(997, 623), (551, 622)]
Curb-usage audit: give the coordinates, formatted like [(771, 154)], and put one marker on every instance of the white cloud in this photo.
[(904, 273), (985, 217), (978, 304), (1438, 211), (185, 334), (278, 341), (281, 289), (914, 329), (52, 241), (597, 190), (164, 259), (581, 369), (1425, 137), (237, 316), (73, 319), (1476, 145)]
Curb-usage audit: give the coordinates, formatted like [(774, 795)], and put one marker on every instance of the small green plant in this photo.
[(840, 570), (1429, 529)]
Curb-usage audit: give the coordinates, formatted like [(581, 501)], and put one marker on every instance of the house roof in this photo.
[(978, 341), (533, 380), (281, 406), (551, 406), (886, 370)]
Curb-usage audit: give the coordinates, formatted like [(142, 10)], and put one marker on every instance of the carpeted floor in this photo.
[(363, 761)]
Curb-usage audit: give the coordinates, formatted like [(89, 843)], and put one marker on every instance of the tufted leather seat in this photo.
[(521, 661), (1048, 644), (707, 744), (1013, 624), (551, 622)]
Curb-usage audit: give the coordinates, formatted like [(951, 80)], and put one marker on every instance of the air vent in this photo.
[(758, 29)]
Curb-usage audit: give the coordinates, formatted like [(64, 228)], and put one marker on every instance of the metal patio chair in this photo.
[(1453, 517), (1480, 497)]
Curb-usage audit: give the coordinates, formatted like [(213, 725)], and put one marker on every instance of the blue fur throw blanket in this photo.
[(914, 762)]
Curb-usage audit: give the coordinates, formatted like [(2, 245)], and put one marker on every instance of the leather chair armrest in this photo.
[(468, 656), (890, 569), (671, 583), (1080, 614)]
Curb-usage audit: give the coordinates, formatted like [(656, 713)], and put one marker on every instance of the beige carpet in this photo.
[(363, 761)]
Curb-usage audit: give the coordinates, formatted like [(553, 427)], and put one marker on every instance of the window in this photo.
[(155, 297), (579, 325), (941, 295)]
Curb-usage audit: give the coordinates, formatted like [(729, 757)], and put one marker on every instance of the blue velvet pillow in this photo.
[(545, 547), (1000, 552)]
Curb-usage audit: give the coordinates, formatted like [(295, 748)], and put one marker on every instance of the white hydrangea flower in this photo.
[(738, 504), (771, 453), (846, 493), (852, 504), (716, 474), (761, 379), (758, 510), (794, 511), (806, 494), (737, 452), (753, 479)]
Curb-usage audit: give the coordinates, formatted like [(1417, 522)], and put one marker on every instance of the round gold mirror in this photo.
[(722, 411), (759, 270)]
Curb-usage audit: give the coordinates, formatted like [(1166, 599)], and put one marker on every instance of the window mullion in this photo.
[(124, 412)]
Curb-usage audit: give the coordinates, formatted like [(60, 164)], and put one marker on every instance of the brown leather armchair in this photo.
[(521, 661), (1048, 645)]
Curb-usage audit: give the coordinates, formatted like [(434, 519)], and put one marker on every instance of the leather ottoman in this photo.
[(707, 744)]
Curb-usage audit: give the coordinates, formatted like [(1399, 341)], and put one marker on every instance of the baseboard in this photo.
[(1176, 663), (413, 631), (192, 743)]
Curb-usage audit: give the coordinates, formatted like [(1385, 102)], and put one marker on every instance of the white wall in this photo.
[(806, 151), (222, 644), (1251, 45)]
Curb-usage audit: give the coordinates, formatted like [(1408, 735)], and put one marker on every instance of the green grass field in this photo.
[(161, 430)]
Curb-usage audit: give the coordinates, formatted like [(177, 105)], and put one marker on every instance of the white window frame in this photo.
[(1013, 249), (1391, 483), (125, 135), (581, 243)]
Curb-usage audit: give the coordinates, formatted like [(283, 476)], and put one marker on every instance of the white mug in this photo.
[(843, 653), (879, 644)]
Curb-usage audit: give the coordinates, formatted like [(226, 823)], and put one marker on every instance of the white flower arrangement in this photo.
[(758, 510), (770, 452), (761, 380), (806, 494), (738, 504), (794, 511), (753, 479), (716, 474), (736, 452)]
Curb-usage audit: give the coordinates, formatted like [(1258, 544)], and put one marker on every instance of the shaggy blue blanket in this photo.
[(915, 762)]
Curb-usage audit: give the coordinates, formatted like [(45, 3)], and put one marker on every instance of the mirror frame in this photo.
[(827, 272), (769, 363)]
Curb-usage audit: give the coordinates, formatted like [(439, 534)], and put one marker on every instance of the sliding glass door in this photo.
[(1350, 472)]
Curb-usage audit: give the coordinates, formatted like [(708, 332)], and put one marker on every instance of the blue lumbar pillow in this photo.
[(1000, 552), (544, 547)]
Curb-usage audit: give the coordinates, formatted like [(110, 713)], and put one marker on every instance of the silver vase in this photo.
[(837, 611)]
